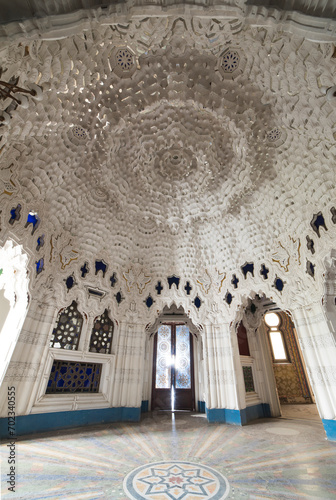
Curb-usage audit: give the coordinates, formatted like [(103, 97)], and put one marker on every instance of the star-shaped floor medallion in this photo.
[(175, 481)]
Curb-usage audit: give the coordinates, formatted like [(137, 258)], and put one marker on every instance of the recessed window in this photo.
[(278, 346), (276, 337), (272, 319)]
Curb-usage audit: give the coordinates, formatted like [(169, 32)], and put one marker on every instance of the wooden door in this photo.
[(173, 384)]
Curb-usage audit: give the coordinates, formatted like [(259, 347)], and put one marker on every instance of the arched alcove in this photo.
[(174, 323), (13, 299), (273, 366)]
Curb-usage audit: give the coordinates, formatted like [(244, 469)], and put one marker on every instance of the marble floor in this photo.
[(177, 456), (300, 412)]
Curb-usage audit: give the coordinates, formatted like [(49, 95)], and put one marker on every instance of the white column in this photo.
[(28, 358), (262, 368), (319, 351), (221, 373), (129, 366)]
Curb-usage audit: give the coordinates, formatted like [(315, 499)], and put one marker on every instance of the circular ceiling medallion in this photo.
[(230, 61), (123, 62), (175, 163), (274, 135), (79, 133), (125, 59), (175, 481)]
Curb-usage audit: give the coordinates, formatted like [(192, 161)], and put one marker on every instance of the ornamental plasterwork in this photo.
[(61, 249), (287, 252), (173, 168), (136, 277), (211, 277)]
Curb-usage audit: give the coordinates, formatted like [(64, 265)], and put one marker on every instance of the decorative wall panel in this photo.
[(71, 376)]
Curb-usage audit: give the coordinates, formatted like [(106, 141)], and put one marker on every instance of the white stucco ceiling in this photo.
[(166, 154)]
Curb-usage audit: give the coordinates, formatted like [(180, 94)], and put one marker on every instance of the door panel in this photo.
[(173, 369)]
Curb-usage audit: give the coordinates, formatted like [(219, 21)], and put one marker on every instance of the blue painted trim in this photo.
[(223, 415), (40, 422), (330, 428), (201, 406), (238, 417), (144, 406)]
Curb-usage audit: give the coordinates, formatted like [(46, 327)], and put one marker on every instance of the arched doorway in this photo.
[(273, 366), (173, 368), (295, 394)]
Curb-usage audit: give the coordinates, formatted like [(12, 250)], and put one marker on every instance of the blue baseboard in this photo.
[(238, 417), (201, 406), (330, 428), (41, 422), (144, 406)]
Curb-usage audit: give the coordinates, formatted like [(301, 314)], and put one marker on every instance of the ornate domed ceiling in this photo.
[(176, 140)]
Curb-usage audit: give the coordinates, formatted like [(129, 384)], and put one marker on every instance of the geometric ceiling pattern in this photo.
[(175, 140)]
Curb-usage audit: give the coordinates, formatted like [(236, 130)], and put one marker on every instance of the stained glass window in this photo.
[(68, 328), (71, 376), (182, 363), (101, 336), (163, 358)]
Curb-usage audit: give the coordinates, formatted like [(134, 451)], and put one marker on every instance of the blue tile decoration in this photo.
[(176, 480), (238, 417), (144, 406), (201, 406), (41, 422), (330, 428)]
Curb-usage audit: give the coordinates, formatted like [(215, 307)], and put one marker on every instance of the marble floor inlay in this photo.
[(175, 481), (269, 459)]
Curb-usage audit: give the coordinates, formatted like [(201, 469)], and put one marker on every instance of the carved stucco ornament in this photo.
[(136, 277), (61, 249), (286, 252), (211, 277)]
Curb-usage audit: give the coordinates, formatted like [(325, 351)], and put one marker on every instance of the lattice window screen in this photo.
[(72, 376), (68, 328), (102, 333)]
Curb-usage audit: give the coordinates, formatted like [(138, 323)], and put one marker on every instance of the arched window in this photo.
[(102, 333), (68, 328), (277, 341)]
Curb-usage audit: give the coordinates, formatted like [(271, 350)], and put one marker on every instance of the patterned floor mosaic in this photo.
[(268, 460), (175, 481)]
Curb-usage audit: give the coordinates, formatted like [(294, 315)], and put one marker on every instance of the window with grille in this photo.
[(102, 333), (68, 328), (72, 376)]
